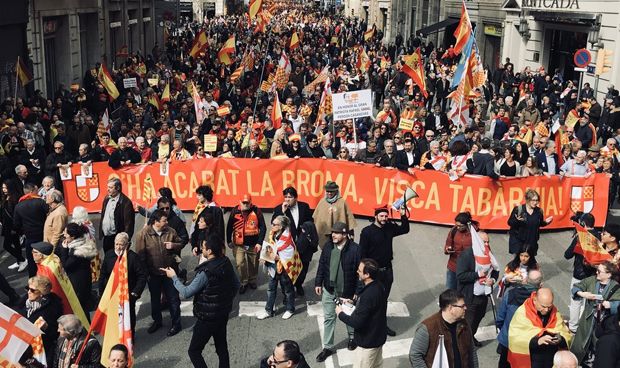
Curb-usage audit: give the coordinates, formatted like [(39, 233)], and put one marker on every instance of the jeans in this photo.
[(12, 246), (329, 323), (450, 280), (203, 330), (287, 288), (157, 283)]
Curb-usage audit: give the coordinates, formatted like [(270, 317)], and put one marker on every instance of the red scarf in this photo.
[(28, 196)]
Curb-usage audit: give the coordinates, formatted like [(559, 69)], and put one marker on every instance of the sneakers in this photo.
[(263, 315), (22, 266), (287, 315), (14, 266), (324, 354)]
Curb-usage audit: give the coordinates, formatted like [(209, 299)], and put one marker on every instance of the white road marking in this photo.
[(329, 362), (391, 349), (394, 309), (486, 333), (250, 309)]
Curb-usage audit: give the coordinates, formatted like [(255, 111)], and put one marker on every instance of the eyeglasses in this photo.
[(274, 361), (28, 288), (343, 151)]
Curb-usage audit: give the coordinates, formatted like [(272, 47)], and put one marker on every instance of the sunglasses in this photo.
[(28, 288)]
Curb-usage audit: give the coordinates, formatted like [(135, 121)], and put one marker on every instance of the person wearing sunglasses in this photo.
[(42, 304), (286, 354)]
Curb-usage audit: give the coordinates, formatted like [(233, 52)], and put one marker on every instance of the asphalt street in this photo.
[(419, 273)]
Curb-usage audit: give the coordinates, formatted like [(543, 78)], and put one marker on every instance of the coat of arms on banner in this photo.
[(582, 199), (87, 187)]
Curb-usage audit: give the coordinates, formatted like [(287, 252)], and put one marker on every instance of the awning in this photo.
[(434, 28)]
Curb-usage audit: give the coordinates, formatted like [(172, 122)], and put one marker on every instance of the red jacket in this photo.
[(459, 241)]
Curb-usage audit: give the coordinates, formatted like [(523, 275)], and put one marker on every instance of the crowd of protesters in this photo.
[(520, 123)]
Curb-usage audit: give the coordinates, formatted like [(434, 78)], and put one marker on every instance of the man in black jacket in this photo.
[(214, 289), (368, 319), (124, 155), (136, 273), (407, 157), (376, 243), (467, 275), (608, 344), (336, 278), (117, 215), (299, 213), (483, 162), (29, 220)]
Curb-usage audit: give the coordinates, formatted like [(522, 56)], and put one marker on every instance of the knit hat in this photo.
[(43, 247)]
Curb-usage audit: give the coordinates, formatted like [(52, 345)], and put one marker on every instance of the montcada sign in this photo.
[(551, 4)]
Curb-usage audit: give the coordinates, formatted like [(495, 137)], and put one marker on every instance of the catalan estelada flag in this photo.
[(112, 318), (414, 68), (51, 268), (23, 74), (588, 246), (200, 43), (525, 325), (106, 80)]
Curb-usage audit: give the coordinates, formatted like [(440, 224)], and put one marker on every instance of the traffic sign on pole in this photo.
[(582, 58)]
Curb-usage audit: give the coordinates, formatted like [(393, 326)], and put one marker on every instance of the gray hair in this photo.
[(434, 144), (50, 178), (140, 139), (582, 153), (19, 168), (116, 182), (387, 141), (124, 237), (84, 145), (285, 221), (56, 196), (80, 215), (71, 324)]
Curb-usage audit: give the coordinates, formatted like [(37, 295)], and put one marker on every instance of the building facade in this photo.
[(65, 38), (546, 33), (13, 21)]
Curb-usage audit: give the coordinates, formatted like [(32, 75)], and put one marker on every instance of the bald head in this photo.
[(565, 359), (535, 278), (543, 301)]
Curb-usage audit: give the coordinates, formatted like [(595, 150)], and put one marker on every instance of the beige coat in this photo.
[(325, 215), (55, 224)]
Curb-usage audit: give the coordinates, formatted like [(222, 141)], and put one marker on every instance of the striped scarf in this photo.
[(198, 210)]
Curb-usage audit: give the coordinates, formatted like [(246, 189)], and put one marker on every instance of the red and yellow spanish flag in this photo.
[(363, 61), (227, 49), (112, 318), (294, 41), (141, 69), (106, 80), (369, 34), (276, 112), (414, 68), (23, 74), (51, 268), (463, 30), (588, 246), (525, 325), (155, 101), (165, 96), (254, 8), (200, 43), (223, 111)]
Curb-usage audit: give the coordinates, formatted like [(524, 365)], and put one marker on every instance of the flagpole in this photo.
[(258, 90), (16, 80)]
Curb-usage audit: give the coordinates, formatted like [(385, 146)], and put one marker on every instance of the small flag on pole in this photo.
[(23, 74)]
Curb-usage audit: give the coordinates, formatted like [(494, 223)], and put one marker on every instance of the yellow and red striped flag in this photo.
[(369, 34), (281, 78), (51, 268), (463, 30), (223, 110), (112, 318), (265, 86), (227, 49), (23, 74), (165, 96), (255, 8), (363, 61), (525, 325), (414, 68), (106, 80), (588, 246), (276, 112), (141, 69), (294, 41), (236, 74), (154, 100), (200, 43)]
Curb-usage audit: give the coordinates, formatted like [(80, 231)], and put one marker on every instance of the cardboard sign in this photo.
[(405, 124), (210, 144), (130, 83), (152, 81)]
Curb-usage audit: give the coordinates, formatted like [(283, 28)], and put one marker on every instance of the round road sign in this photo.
[(582, 58)]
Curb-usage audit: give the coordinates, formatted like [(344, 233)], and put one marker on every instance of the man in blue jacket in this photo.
[(511, 301)]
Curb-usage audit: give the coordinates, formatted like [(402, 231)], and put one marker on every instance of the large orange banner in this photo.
[(363, 186)]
